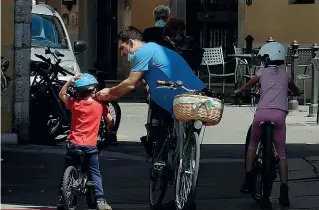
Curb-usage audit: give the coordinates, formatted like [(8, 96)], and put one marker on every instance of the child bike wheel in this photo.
[(69, 196), (268, 164), (187, 171), (90, 199), (256, 191)]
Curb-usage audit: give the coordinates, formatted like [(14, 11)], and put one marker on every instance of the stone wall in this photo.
[(21, 83)]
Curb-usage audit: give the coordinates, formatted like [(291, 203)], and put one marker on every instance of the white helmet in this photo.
[(274, 50)]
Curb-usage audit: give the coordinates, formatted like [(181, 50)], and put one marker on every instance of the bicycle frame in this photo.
[(178, 134)]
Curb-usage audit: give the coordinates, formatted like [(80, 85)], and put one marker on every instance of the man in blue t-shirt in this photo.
[(152, 62)]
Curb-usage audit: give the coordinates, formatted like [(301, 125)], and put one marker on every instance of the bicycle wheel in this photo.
[(187, 173), (248, 136), (256, 192), (268, 162), (90, 198), (158, 181), (69, 177), (116, 113)]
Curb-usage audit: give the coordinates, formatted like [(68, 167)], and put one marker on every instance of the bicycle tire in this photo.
[(184, 196), (156, 203), (256, 192), (69, 203), (118, 114), (90, 198), (268, 162), (248, 136)]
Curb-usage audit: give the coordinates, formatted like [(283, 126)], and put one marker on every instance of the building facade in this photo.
[(15, 46), (98, 21)]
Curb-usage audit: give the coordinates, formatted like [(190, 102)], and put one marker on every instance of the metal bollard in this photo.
[(249, 44), (293, 102), (313, 108)]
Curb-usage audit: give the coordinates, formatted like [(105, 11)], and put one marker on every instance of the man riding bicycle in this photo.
[(152, 62)]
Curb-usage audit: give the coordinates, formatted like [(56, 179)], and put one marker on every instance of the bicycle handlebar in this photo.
[(165, 83), (257, 95), (61, 70), (47, 60)]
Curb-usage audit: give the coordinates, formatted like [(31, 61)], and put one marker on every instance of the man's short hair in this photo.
[(162, 9), (130, 32)]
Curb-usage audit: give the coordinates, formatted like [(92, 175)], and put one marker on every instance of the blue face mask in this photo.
[(160, 23)]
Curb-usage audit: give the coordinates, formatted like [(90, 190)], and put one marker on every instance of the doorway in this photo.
[(106, 37), (213, 23)]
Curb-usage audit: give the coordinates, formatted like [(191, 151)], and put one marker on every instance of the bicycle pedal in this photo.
[(90, 184), (159, 166)]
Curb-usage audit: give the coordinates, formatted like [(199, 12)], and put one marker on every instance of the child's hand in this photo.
[(76, 76), (236, 92), (110, 125)]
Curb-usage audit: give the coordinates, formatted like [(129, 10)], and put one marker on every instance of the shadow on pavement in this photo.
[(32, 178)]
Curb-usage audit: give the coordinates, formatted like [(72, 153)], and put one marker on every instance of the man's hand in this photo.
[(104, 95), (110, 125)]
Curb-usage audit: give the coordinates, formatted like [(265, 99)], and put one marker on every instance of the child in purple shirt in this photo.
[(273, 106)]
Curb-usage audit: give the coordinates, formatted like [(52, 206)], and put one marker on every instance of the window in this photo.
[(47, 31), (302, 1)]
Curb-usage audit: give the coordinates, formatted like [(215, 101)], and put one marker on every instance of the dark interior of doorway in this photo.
[(213, 23), (106, 36)]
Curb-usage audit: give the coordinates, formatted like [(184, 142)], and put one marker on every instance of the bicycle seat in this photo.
[(76, 152), (267, 123)]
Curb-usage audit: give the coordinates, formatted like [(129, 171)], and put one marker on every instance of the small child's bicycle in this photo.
[(76, 181)]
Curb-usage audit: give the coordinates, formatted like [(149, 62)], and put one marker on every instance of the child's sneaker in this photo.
[(245, 188), (265, 203), (102, 205), (284, 198), (248, 184), (60, 205)]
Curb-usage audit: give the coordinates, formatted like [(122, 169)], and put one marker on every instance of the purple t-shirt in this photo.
[(273, 88)]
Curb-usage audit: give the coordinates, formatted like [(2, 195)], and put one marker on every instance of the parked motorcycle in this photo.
[(50, 117), (5, 79)]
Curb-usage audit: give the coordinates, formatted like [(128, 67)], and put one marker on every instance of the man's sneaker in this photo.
[(102, 205), (60, 205), (265, 204), (284, 197)]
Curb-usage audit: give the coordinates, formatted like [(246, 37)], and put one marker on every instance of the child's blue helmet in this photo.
[(85, 82)]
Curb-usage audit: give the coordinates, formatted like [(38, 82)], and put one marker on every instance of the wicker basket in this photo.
[(189, 107)]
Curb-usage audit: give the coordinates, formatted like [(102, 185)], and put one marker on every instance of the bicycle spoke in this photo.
[(187, 175)]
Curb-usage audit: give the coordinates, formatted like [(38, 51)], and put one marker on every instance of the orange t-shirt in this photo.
[(85, 122)]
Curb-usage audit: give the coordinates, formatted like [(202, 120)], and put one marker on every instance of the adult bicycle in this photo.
[(176, 160)]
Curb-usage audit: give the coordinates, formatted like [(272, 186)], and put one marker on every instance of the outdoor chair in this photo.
[(215, 57)]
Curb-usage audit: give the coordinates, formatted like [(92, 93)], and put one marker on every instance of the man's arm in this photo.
[(127, 85)]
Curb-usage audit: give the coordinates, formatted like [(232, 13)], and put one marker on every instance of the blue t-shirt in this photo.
[(160, 63)]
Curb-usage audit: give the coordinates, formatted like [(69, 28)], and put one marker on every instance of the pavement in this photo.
[(30, 173)]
